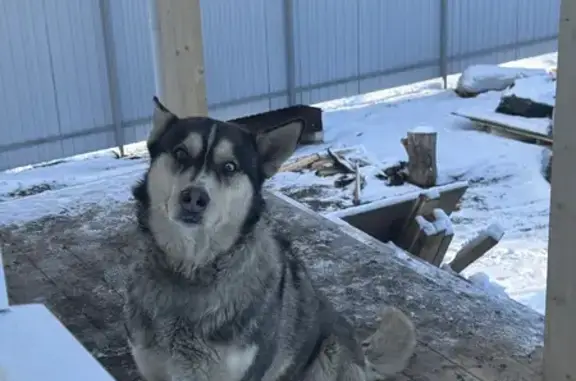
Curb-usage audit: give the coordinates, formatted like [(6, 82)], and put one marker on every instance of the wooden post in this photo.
[(560, 335), (179, 56), (420, 145)]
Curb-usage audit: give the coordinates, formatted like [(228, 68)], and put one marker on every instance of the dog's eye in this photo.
[(229, 167), (181, 154)]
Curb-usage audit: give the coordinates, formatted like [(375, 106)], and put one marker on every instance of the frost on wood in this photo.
[(83, 260), (478, 79), (421, 150)]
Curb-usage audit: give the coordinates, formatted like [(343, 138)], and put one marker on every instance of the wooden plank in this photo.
[(468, 333), (511, 131), (385, 219), (179, 56), (424, 205), (36, 346), (475, 248), (560, 338), (427, 241)]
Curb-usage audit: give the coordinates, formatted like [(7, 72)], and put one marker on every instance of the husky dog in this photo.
[(219, 296)]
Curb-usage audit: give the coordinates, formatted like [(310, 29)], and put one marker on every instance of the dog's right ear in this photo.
[(161, 119)]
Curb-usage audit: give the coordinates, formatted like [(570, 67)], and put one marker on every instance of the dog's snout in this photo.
[(194, 199)]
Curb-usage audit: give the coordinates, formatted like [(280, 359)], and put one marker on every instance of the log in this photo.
[(74, 262), (300, 163), (420, 145), (476, 247)]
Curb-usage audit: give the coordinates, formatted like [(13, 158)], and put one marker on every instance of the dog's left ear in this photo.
[(277, 144), (161, 119)]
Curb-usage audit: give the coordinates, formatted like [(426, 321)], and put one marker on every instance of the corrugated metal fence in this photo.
[(76, 75)]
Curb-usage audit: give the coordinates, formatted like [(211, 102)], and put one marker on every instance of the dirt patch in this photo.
[(32, 190)]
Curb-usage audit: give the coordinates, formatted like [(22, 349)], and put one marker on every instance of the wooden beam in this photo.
[(178, 55), (560, 335)]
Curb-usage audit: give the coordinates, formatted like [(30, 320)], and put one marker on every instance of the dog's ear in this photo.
[(276, 145), (161, 119)]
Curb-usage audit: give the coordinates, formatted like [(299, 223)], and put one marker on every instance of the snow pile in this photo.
[(494, 230), (483, 282), (442, 222), (426, 226), (423, 130), (478, 79)]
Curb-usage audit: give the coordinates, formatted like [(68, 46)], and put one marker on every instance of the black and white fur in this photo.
[(219, 296)]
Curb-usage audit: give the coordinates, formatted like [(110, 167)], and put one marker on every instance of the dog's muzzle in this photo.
[(193, 202)]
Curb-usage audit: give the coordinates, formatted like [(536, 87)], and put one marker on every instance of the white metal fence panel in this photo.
[(77, 75)]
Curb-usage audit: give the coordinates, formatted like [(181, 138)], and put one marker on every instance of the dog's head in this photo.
[(205, 177)]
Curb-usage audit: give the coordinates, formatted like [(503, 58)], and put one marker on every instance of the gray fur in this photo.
[(213, 301)]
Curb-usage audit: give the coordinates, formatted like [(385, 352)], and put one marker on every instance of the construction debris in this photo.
[(477, 247)]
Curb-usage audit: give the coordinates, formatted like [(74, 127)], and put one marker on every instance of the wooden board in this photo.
[(75, 265), (3, 290), (384, 219), (489, 124), (36, 346)]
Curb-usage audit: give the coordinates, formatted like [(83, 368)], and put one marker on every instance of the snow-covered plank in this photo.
[(516, 126), (34, 345), (464, 333)]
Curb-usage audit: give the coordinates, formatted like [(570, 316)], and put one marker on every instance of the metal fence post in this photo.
[(112, 71), (289, 46), (444, 41)]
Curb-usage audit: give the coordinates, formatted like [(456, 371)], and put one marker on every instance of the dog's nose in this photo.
[(194, 199)]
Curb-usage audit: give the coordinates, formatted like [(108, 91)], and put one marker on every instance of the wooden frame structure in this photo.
[(176, 26), (178, 55), (560, 335)]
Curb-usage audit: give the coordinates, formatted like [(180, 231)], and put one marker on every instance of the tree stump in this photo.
[(420, 145)]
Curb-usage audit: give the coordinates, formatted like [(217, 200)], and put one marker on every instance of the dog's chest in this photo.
[(221, 363)]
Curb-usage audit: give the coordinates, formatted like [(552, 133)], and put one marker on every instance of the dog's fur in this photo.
[(221, 297)]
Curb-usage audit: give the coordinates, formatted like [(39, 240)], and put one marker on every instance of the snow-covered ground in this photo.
[(506, 185)]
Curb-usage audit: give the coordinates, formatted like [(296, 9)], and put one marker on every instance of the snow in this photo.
[(483, 281), (495, 231), (442, 222), (427, 227), (506, 185), (538, 88), (432, 194), (486, 112), (423, 130), (481, 78)]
